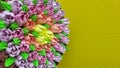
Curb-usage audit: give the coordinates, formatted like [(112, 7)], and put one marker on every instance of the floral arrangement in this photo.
[(33, 33)]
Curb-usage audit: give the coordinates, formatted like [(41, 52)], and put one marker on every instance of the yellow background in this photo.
[(95, 34)]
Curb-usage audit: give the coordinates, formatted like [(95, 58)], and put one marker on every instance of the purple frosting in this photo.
[(57, 58), (18, 33), (64, 39), (51, 64), (32, 10), (50, 56), (7, 16), (42, 59), (65, 21), (32, 56), (6, 35), (16, 6), (60, 48), (64, 27), (42, 66), (50, 9), (58, 15), (28, 2), (50, 2), (23, 63), (21, 18), (24, 47), (40, 7), (56, 5), (13, 50)]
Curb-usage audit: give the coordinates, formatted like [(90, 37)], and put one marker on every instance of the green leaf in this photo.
[(46, 25), (45, 1), (64, 46), (46, 12), (54, 51), (24, 55), (34, 2), (48, 42), (55, 10), (58, 36), (67, 48), (5, 6), (65, 34), (55, 66), (35, 63), (32, 47), (42, 52), (47, 62), (33, 17), (21, 0), (13, 26), (25, 8), (9, 61), (16, 41), (2, 24), (34, 33), (25, 31), (3, 45), (60, 21)]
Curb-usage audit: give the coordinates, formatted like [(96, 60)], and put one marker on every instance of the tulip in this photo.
[(7, 16), (6, 35), (33, 55), (16, 6), (13, 50), (24, 46), (18, 33), (21, 18)]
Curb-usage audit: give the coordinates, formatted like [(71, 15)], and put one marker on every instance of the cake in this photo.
[(33, 33)]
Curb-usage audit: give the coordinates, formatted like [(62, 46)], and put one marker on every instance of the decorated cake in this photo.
[(33, 33)]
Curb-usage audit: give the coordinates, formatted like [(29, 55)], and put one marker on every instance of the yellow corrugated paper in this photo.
[(95, 34)]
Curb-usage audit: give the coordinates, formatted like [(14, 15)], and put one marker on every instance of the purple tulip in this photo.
[(42, 59), (42, 66), (50, 2), (24, 47), (18, 33), (50, 10), (66, 30), (23, 63), (65, 21), (21, 18), (40, 1), (65, 40), (51, 64), (29, 65), (32, 10), (16, 6), (60, 48), (57, 58), (7, 16), (13, 50), (40, 7), (50, 56), (32, 56), (65, 27), (6, 35), (56, 5), (58, 15), (28, 2)]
